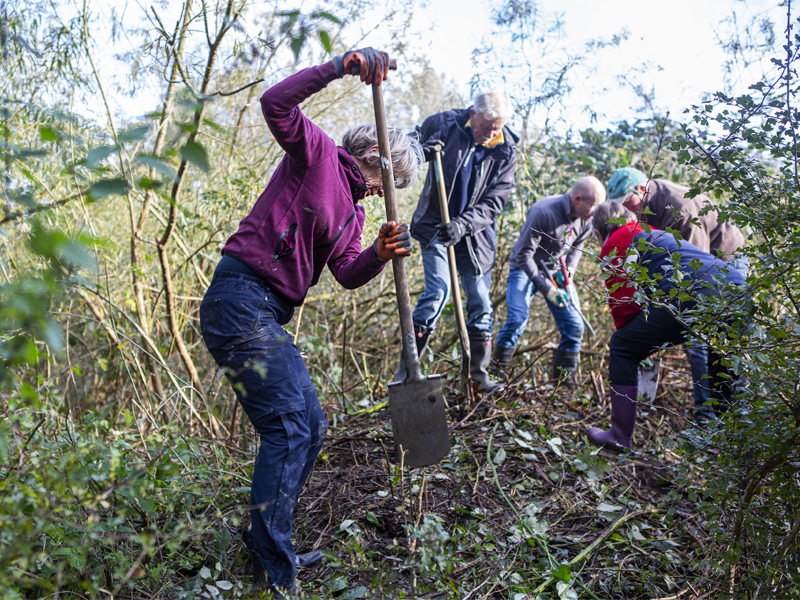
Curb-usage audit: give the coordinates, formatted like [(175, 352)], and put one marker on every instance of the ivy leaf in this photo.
[(205, 573), (500, 456), (563, 573), (224, 585), (195, 153)]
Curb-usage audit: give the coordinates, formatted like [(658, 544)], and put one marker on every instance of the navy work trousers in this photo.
[(242, 326)]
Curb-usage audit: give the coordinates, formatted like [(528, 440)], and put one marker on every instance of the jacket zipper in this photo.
[(471, 203), (341, 231)]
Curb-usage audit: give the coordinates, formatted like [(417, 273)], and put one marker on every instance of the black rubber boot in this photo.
[(504, 354), (256, 568), (421, 335), (565, 366), (480, 349)]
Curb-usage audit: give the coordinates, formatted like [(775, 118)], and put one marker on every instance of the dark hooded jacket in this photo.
[(491, 185)]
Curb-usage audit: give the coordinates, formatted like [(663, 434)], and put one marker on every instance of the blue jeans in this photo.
[(698, 355), (241, 322), (519, 294), (437, 289)]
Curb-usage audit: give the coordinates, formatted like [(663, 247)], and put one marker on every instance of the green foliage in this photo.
[(746, 151)]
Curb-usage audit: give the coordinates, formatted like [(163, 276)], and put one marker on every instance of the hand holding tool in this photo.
[(558, 296), (372, 65), (450, 233), (393, 239), (555, 295), (419, 418), (430, 147)]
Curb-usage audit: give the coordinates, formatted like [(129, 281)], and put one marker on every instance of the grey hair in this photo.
[(610, 210), (493, 105), (406, 151)]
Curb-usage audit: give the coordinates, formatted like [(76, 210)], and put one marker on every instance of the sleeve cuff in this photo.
[(378, 256), (338, 63)]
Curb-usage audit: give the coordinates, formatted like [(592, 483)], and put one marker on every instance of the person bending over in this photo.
[(555, 226), (308, 217), (669, 207), (639, 333)]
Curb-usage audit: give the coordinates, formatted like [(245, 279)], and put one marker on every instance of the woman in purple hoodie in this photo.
[(307, 217)]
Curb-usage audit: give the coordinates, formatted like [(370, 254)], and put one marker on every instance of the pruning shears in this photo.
[(565, 276)]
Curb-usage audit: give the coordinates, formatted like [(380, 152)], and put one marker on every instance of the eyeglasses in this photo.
[(593, 206)]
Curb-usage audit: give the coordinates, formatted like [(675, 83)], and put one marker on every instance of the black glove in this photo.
[(450, 234), (430, 147), (373, 65)]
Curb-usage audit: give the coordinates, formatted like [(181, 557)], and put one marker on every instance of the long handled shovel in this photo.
[(455, 291), (419, 419)]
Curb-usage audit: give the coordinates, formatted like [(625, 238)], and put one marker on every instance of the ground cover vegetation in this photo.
[(124, 461)]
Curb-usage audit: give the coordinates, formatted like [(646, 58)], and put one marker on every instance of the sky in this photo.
[(675, 40), (671, 49)]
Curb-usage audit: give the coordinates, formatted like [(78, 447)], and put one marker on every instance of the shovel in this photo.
[(419, 419), (648, 381), (455, 292)]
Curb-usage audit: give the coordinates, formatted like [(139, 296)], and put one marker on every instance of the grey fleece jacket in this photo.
[(548, 234)]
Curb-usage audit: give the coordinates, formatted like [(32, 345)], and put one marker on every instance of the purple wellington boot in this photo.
[(623, 419)]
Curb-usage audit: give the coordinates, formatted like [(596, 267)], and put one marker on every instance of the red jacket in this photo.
[(698, 272), (620, 287)]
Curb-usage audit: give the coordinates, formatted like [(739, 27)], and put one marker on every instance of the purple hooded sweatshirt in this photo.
[(308, 215)]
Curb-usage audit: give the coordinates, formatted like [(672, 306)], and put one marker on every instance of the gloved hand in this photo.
[(559, 279), (450, 234), (429, 147), (373, 65), (557, 296), (393, 239)]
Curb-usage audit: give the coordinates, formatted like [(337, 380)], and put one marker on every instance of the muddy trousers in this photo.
[(241, 322)]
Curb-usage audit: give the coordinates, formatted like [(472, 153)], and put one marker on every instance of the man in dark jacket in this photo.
[(479, 160), (555, 226), (672, 210)]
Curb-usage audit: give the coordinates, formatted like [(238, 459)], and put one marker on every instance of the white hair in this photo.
[(406, 150), (493, 105)]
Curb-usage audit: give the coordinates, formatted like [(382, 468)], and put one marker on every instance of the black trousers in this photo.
[(644, 335)]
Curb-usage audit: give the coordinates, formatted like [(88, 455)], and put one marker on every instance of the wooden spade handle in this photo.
[(398, 267)]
